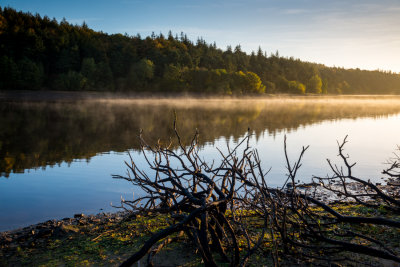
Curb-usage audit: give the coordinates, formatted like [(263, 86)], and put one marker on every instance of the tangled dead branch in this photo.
[(195, 194), (229, 213)]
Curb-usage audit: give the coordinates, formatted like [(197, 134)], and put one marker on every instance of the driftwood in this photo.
[(211, 203)]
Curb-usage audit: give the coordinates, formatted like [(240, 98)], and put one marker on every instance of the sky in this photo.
[(361, 34)]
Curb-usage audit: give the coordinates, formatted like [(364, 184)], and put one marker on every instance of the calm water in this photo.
[(56, 159)]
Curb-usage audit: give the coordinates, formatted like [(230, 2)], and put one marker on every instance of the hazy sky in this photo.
[(351, 33)]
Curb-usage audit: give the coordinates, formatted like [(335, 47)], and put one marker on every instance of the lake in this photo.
[(57, 157)]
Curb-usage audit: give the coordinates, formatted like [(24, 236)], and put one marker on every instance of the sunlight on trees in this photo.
[(314, 85), (296, 87)]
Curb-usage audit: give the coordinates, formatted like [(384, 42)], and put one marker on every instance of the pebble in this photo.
[(28, 236)]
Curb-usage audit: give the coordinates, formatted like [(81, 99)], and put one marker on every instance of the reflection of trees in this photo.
[(39, 134)]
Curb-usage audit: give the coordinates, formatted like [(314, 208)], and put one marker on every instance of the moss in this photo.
[(108, 244)]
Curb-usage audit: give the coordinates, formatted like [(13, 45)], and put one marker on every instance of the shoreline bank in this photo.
[(58, 227), (52, 95)]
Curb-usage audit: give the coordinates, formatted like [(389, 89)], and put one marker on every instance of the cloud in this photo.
[(294, 11)]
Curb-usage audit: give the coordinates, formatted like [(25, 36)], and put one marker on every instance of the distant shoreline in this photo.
[(38, 96)]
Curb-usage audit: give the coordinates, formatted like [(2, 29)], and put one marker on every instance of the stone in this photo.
[(79, 215), (44, 232), (6, 240), (95, 220)]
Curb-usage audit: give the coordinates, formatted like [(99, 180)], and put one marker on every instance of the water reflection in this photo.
[(35, 134)]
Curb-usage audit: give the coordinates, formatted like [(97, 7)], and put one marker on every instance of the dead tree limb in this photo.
[(224, 204)]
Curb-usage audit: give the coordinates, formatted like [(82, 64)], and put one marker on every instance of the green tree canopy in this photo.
[(314, 84), (296, 87), (253, 84)]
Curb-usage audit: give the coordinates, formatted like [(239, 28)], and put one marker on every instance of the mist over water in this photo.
[(56, 158)]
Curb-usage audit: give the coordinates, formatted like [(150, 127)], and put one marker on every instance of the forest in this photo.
[(39, 53)]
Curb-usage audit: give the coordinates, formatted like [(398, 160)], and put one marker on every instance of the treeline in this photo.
[(41, 53)]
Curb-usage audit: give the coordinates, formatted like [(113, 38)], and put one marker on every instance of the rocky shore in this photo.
[(105, 239), (27, 236), (108, 238), (36, 234), (336, 193)]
